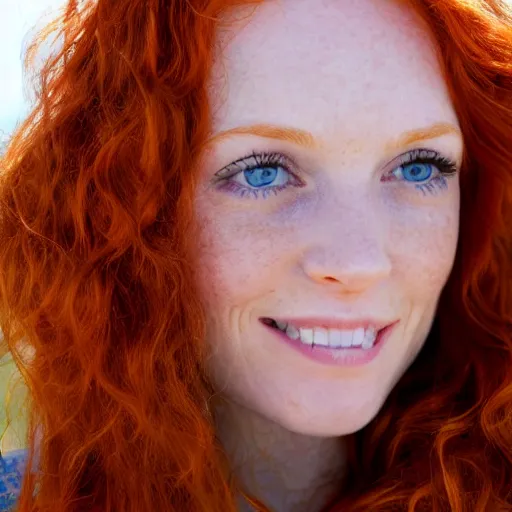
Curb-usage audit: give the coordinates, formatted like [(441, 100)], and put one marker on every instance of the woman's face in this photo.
[(327, 199)]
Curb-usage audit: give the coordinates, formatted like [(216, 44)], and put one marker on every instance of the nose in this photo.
[(347, 252)]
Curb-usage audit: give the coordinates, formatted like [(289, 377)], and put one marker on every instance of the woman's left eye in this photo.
[(426, 169), (415, 172)]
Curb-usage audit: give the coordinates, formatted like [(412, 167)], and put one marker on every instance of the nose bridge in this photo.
[(347, 242)]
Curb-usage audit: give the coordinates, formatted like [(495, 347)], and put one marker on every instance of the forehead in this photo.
[(345, 68)]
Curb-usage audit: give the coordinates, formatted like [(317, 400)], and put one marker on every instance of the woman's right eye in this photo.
[(258, 175)]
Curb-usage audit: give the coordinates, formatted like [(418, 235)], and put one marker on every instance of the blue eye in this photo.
[(427, 170), (257, 174), (417, 172), (261, 176)]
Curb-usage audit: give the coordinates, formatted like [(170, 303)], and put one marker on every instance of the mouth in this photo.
[(363, 337)]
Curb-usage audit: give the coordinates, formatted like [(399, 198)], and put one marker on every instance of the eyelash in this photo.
[(444, 165)]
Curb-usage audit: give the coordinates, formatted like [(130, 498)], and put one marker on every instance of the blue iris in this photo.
[(417, 172), (260, 176)]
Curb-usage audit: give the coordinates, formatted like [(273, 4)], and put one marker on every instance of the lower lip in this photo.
[(350, 357)]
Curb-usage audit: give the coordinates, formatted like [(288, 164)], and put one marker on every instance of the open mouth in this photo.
[(360, 338)]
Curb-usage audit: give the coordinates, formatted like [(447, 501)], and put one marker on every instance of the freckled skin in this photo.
[(355, 74)]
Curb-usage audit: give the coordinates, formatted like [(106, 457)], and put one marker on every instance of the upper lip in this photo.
[(334, 323)]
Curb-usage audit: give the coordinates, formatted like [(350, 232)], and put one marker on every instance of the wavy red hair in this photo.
[(96, 192)]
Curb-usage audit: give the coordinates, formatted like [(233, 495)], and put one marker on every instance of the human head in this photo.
[(352, 236), (96, 201)]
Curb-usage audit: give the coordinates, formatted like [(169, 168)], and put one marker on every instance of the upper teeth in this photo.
[(336, 338)]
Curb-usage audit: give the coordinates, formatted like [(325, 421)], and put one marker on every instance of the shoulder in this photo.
[(12, 468)]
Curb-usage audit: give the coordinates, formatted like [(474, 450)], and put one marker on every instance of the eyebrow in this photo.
[(306, 139)]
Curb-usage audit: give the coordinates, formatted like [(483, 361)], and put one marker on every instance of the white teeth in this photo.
[(369, 338), (292, 332), (321, 336), (281, 325), (334, 338), (358, 337), (346, 338), (306, 336)]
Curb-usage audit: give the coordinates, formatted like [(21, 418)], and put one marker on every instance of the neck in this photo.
[(284, 470)]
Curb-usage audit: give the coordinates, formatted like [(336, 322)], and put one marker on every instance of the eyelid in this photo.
[(241, 164), (414, 153)]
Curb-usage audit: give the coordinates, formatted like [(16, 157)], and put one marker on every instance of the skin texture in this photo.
[(356, 74)]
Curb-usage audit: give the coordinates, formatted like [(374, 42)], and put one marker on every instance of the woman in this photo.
[(261, 253)]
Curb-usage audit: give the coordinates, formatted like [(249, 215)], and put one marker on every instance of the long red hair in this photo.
[(96, 194)]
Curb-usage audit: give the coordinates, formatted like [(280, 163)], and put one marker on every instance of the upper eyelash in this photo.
[(261, 159), (429, 156)]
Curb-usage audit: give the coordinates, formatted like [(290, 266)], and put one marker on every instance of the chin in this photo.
[(322, 426)]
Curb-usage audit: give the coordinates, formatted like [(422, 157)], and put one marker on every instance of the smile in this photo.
[(361, 337), (342, 343)]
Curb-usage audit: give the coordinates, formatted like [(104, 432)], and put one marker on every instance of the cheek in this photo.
[(424, 245), (235, 258)]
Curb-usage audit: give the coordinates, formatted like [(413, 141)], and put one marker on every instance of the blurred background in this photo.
[(19, 21)]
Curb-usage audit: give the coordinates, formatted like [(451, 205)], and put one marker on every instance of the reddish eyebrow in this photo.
[(431, 132), (307, 139), (269, 131)]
